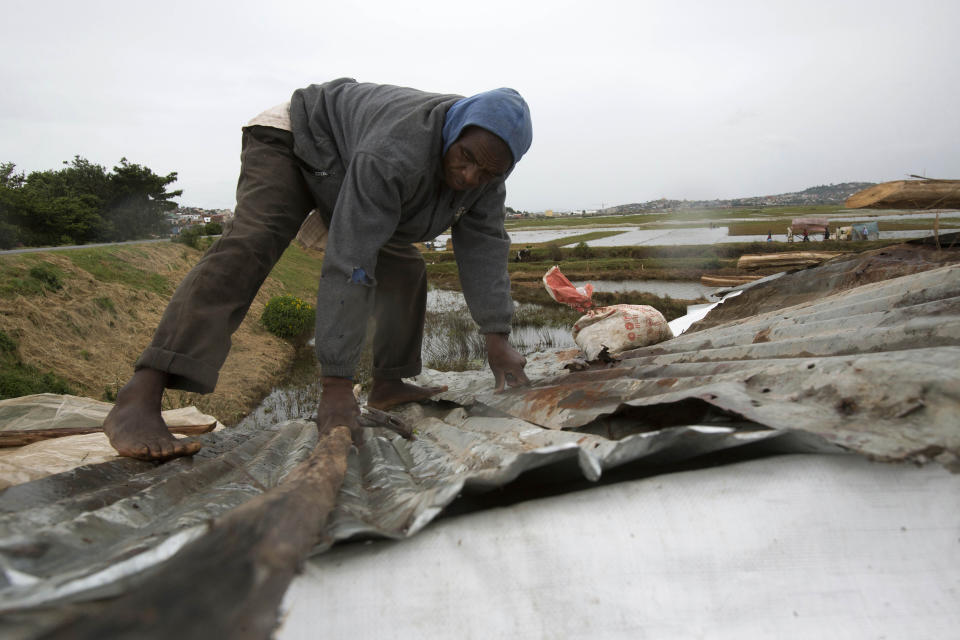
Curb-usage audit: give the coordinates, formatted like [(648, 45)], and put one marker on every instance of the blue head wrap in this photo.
[(502, 112)]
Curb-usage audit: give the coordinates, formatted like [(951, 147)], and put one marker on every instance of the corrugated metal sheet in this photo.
[(871, 369)]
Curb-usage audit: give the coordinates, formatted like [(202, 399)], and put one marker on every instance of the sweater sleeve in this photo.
[(365, 216), (481, 246)]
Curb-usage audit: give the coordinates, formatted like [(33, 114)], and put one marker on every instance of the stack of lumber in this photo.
[(787, 260), (908, 194)]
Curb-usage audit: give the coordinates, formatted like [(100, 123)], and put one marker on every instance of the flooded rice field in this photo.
[(631, 235), (451, 338)]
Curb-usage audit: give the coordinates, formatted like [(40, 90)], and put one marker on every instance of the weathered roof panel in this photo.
[(873, 369)]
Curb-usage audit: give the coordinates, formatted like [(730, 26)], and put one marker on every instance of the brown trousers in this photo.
[(193, 338)]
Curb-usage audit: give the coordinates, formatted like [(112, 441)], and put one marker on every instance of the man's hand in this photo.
[(505, 361), (338, 407)]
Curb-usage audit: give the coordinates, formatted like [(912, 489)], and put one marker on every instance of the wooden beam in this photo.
[(23, 437)]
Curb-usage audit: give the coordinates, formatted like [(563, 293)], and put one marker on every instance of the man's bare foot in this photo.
[(134, 425), (385, 394)]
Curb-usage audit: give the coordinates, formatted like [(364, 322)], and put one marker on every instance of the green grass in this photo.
[(28, 276), (106, 304), (545, 315), (19, 379), (103, 264), (298, 271)]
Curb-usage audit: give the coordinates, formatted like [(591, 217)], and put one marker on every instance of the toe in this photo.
[(189, 448), (140, 451)]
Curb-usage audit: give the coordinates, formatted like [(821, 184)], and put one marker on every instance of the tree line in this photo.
[(83, 203)]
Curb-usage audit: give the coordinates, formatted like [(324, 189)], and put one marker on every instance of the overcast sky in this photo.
[(631, 101)]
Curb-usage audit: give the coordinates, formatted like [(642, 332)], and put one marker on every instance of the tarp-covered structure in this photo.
[(856, 356), (809, 225)]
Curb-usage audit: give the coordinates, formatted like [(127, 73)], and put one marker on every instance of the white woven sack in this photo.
[(620, 327)]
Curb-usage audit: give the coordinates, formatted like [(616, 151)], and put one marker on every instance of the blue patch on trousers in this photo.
[(360, 276)]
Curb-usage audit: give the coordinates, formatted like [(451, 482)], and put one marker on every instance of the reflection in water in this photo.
[(676, 289), (285, 403)]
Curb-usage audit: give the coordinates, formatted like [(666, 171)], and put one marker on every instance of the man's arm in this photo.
[(482, 247)]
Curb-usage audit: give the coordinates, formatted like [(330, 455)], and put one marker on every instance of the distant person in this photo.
[(384, 167), (789, 234), (826, 233), (806, 237), (769, 236)]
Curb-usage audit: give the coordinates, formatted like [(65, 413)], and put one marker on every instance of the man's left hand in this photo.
[(505, 361)]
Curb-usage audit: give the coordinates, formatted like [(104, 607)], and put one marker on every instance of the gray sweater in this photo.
[(372, 155)]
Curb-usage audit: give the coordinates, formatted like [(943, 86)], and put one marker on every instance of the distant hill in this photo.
[(822, 194)]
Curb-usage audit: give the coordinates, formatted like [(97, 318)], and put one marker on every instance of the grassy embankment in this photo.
[(75, 321)]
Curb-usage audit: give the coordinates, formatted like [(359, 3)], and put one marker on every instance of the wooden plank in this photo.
[(785, 260), (23, 437), (726, 281)]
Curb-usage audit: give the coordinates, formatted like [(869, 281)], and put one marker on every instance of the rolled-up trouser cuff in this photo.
[(395, 373), (337, 370), (496, 327), (184, 373)]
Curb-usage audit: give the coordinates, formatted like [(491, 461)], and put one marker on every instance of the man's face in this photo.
[(476, 158)]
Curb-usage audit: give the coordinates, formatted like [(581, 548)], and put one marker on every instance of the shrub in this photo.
[(288, 317), (556, 253), (190, 236), (47, 276), (582, 250), (213, 229), (7, 344), (19, 379)]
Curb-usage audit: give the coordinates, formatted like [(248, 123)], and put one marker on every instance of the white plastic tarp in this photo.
[(798, 546)]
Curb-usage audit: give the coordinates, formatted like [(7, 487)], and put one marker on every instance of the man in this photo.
[(381, 167)]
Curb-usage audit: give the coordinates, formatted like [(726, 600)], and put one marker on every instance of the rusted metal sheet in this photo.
[(873, 369)]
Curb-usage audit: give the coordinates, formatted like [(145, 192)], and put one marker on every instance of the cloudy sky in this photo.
[(631, 100)]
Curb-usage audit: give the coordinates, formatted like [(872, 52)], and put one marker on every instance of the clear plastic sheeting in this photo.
[(47, 457), (51, 412)]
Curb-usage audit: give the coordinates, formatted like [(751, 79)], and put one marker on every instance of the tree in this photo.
[(9, 204), (59, 207), (139, 201), (83, 203)]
